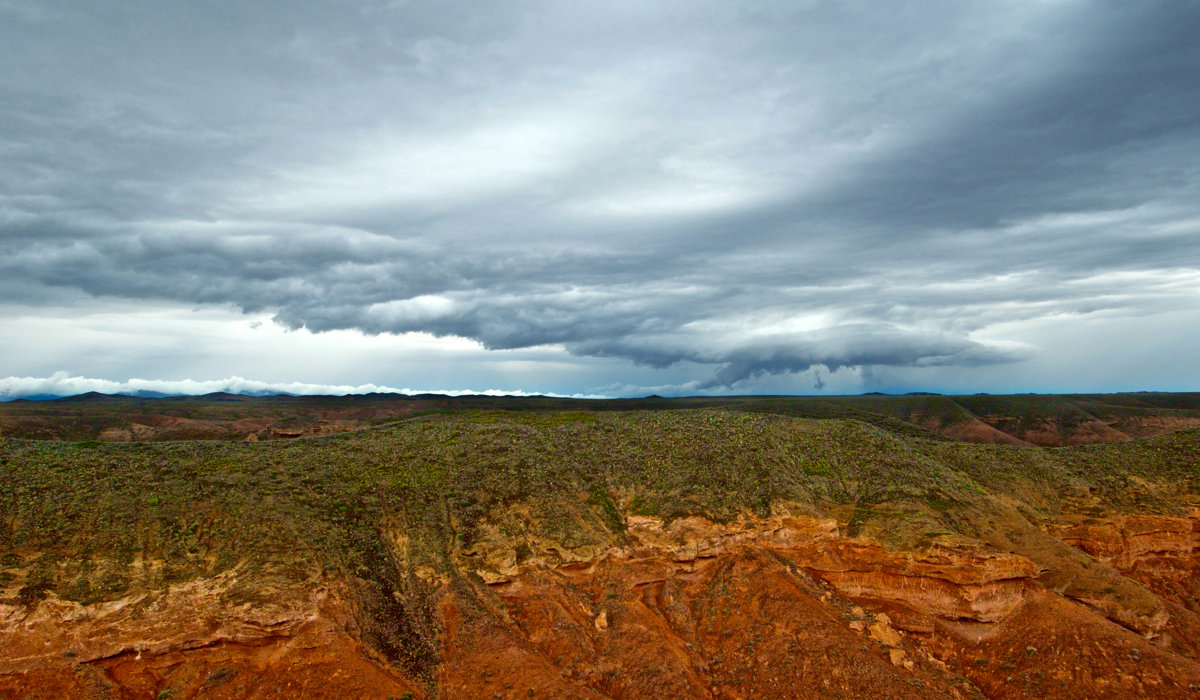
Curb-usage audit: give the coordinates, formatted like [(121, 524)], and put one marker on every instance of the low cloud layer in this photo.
[(747, 191), (62, 384)]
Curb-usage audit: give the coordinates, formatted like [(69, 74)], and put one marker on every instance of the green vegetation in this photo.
[(196, 503)]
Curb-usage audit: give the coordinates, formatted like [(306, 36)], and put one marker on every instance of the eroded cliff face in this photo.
[(240, 634), (1158, 551), (760, 607), (781, 606)]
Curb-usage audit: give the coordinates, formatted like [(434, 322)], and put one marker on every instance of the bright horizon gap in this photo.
[(63, 385)]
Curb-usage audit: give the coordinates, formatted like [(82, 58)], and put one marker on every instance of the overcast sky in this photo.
[(603, 198)]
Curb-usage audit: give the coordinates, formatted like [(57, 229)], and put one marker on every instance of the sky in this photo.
[(610, 198)]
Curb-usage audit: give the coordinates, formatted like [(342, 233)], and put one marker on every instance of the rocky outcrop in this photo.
[(783, 606), (1160, 552), (952, 581), (188, 615), (693, 608), (199, 638), (957, 583), (1132, 541)]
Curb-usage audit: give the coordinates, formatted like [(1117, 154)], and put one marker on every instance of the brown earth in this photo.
[(193, 644), (781, 607), (1047, 420), (1052, 432)]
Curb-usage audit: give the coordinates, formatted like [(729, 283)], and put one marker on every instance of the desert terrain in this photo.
[(876, 546)]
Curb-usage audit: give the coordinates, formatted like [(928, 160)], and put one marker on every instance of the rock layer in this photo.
[(783, 606)]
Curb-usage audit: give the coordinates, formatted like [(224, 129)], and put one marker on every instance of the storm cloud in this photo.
[(743, 190)]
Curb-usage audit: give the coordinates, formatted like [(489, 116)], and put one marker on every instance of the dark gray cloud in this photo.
[(749, 189)]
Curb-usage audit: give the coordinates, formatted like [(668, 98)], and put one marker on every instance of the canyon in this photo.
[(698, 554)]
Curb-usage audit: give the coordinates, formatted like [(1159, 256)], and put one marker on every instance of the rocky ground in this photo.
[(696, 553)]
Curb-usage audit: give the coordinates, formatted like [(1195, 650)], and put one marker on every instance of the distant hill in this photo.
[(1022, 419)]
